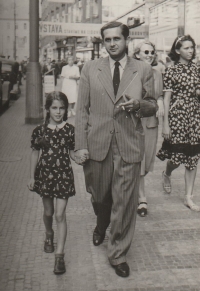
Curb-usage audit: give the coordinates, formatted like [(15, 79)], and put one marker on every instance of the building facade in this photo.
[(75, 12), (14, 32)]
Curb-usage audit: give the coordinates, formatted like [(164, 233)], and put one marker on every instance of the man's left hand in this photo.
[(130, 105)]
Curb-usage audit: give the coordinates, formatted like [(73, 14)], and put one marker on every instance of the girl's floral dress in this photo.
[(54, 176), (184, 116)]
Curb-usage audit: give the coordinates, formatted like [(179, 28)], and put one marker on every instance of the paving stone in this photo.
[(164, 255)]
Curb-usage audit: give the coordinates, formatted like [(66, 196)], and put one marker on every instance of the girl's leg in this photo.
[(142, 207), (190, 176), (170, 167), (60, 216), (48, 214), (59, 267), (48, 222)]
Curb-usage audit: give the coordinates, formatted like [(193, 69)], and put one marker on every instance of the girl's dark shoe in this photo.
[(48, 244), (142, 210), (59, 267)]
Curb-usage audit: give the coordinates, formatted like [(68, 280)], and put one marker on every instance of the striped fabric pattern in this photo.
[(98, 117)]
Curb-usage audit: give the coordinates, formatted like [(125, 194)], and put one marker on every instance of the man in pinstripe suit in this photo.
[(114, 93)]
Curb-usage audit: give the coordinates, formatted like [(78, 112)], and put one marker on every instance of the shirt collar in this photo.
[(60, 125), (122, 62)]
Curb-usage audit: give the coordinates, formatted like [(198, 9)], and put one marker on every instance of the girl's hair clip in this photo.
[(179, 39)]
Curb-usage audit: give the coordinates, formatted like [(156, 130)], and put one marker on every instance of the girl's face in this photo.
[(186, 51), (56, 111), (146, 54)]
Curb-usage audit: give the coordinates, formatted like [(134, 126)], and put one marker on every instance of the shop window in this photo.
[(79, 12), (69, 14), (87, 12), (63, 16), (95, 12)]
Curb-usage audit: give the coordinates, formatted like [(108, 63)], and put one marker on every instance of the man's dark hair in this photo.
[(124, 28)]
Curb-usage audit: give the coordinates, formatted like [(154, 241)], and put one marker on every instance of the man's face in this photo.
[(115, 43)]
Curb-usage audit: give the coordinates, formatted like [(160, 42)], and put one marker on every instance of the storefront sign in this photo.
[(61, 1), (69, 29)]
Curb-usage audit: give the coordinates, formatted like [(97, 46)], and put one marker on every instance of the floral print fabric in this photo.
[(184, 116), (54, 176)]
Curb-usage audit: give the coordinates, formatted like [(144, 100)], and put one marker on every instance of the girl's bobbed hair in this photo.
[(138, 48), (177, 44)]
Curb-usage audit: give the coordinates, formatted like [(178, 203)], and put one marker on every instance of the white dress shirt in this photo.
[(122, 62)]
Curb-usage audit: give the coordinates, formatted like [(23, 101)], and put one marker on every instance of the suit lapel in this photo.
[(106, 78), (130, 72)]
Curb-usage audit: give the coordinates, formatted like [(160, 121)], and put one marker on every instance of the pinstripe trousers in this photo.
[(114, 185)]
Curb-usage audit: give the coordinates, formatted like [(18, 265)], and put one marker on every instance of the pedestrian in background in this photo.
[(181, 125), (56, 72), (51, 173), (146, 52), (114, 92), (70, 75)]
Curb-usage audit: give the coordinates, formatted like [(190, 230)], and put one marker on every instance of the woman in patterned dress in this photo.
[(146, 52), (51, 172), (181, 124)]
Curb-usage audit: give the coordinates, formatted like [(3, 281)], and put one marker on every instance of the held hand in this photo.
[(30, 184), (81, 156), (166, 133), (160, 111), (130, 105)]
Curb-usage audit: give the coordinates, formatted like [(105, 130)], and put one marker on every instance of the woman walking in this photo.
[(181, 125), (146, 52), (70, 75)]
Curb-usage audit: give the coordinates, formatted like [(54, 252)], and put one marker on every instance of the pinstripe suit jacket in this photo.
[(97, 115)]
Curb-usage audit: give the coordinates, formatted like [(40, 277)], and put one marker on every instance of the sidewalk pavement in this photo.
[(165, 252)]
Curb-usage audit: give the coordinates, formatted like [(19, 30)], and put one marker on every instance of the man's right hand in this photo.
[(81, 156)]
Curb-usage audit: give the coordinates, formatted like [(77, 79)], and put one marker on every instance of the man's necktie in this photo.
[(116, 77)]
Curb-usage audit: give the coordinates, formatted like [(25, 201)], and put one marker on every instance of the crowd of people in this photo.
[(120, 101)]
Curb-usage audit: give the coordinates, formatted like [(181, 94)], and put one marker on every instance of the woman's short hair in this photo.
[(124, 28), (177, 44), (138, 48)]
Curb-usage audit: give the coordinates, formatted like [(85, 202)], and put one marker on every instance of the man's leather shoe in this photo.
[(97, 237), (122, 269)]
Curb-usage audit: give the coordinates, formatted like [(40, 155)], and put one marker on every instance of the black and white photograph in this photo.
[(99, 145)]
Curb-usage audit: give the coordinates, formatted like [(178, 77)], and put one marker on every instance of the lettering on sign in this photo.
[(70, 29)]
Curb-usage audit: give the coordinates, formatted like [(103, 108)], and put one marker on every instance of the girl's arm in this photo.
[(166, 129), (34, 160), (160, 111), (80, 160)]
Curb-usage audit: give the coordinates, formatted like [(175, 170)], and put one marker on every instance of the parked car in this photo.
[(9, 73), (5, 88)]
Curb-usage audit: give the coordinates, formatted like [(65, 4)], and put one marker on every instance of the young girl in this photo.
[(181, 125), (51, 172)]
